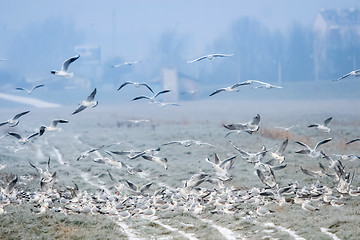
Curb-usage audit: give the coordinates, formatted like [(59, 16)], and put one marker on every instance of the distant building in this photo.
[(336, 37), (181, 85)]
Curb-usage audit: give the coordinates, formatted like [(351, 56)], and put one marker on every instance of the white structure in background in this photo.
[(90, 56), (178, 83), (170, 81), (332, 30)]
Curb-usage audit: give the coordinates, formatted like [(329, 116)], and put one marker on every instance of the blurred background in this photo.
[(300, 45)]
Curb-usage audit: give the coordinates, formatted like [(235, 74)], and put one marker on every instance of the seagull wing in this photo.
[(91, 96), (322, 142), (141, 97), (346, 75), (148, 87), (17, 116), (32, 135), (227, 163), (82, 107), (313, 125), (54, 123), (67, 62), (327, 121), (222, 55), (15, 135), (235, 126), (283, 146), (197, 59), (256, 120), (22, 89), (161, 92), (304, 151), (354, 140), (217, 91), (124, 84), (132, 186), (303, 144), (11, 185), (37, 86), (145, 187)]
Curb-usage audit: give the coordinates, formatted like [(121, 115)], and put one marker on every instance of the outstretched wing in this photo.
[(91, 96), (354, 140), (327, 121), (67, 62), (217, 91), (124, 84), (197, 59), (148, 87), (17, 116), (82, 107), (322, 142), (161, 92)]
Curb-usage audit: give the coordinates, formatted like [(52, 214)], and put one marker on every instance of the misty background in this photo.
[(300, 45)]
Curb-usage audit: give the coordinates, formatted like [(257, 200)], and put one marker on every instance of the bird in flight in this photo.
[(136, 84), (355, 73), (89, 102), (210, 57), (64, 69), (31, 90)]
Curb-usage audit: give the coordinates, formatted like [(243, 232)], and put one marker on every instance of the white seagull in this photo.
[(89, 102), (324, 127), (232, 88), (136, 84), (188, 143), (249, 127), (21, 139), (222, 167), (125, 63), (210, 57), (161, 161), (312, 151), (152, 99), (355, 73), (52, 127), (31, 90), (64, 69), (15, 120)]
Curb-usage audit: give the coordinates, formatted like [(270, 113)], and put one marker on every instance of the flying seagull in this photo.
[(355, 73), (21, 139), (89, 102), (210, 57), (136, 84), (64, 69), (312, 151), (125, 63), (324, 127), (31, 90), (262, 84), (52, 126), (152, 99), (232, 88), (15, 120)]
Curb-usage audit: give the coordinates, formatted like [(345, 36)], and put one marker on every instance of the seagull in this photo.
[(138, 190), (52, 126), (262, 84), (354, 140), (31, 90), (287, 128), (161, 161), (21, 139), (164, 104), (150, 151), (355, 73), (210, 57), (232, 88), (136, 84), (15, 120), (188, 143), (278, 154), (306, 205), (119, 186), (312, 152), (89, 102), (251, 157), (249, 127), (125, 63), (152, 99), (86, 153), (324, 127), (222, 167), (64, 69)]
